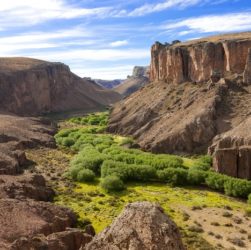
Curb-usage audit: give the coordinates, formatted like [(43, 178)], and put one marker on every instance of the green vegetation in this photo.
[(112, 183), (105, 155)]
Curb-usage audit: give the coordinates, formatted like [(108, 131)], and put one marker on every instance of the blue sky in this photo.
[(105, 39)]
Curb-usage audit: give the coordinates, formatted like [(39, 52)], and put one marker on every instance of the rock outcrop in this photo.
[(199, 60), (200, 90), (142, 225), (139, 78), (24, 223), (18, 133), (233, 149), (32, 87)]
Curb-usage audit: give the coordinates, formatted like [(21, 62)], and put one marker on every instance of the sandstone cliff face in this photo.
[(138, 79), (198, 61), (200, 90), (29, 86), (142, 225)]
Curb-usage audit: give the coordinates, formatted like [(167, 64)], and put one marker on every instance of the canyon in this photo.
[(199, 93)]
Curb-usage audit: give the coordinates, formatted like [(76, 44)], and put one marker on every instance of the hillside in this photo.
[(199, 90), (138, 79), (31, 87), (109, 84)]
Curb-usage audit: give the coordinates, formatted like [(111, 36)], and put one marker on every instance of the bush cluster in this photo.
[(101, 155), (229, 185), (99, 119), (112, 183)]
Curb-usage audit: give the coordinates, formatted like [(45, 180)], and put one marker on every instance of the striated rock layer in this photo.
[(142, 225), (199, 60), (31, 87), (200, 95)]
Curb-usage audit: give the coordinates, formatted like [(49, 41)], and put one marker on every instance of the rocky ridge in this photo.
[(200, 90), (138, 79), (32, 87)]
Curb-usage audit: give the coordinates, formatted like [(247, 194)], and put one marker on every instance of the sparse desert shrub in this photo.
[(174, 176), (85, 175), (112, 183)]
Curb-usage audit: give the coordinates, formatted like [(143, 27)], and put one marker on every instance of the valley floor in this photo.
[(207, 219)]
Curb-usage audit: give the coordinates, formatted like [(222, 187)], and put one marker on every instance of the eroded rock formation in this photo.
[(200, 90), (138, 79), (142, 225), (197, 61), (31, 87)]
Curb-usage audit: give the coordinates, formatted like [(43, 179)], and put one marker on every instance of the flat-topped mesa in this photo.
[(200, 60)]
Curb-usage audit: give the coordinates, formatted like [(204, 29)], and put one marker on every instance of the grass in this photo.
[(91, 202)]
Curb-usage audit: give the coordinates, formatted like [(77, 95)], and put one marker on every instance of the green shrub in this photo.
[(174, 176), (249, 199), (142, 173), (237, 187), (67, 142), (85, 175), (203, 163), (112, 183), (196, 177), (119, 169), (216, 181)]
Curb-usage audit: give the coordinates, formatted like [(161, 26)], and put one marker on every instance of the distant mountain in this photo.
[(30, 87), (109, 84), (139, 78)]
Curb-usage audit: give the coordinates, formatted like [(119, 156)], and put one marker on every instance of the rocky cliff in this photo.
[(200, 60), (200, 94), (30, 86), (138, 79)]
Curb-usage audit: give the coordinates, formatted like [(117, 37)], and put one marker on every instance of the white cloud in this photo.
[(157, 7), (29, 12), (212, 23), (106, 73), (119, 43), (92, 54)]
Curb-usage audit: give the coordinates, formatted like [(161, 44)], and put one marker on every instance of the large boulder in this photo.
[(142, 225)]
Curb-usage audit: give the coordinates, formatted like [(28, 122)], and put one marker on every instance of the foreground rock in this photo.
[(142, 225), (138, 79), (200, 89), (32, 87)]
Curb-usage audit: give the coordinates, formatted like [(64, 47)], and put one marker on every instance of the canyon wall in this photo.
[(31, 87), (198, 101), (200, 60)]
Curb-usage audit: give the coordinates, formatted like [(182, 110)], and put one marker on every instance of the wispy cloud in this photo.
[(212, 23), (29, 12), (109, 73), (157, 7), (119, 43)]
